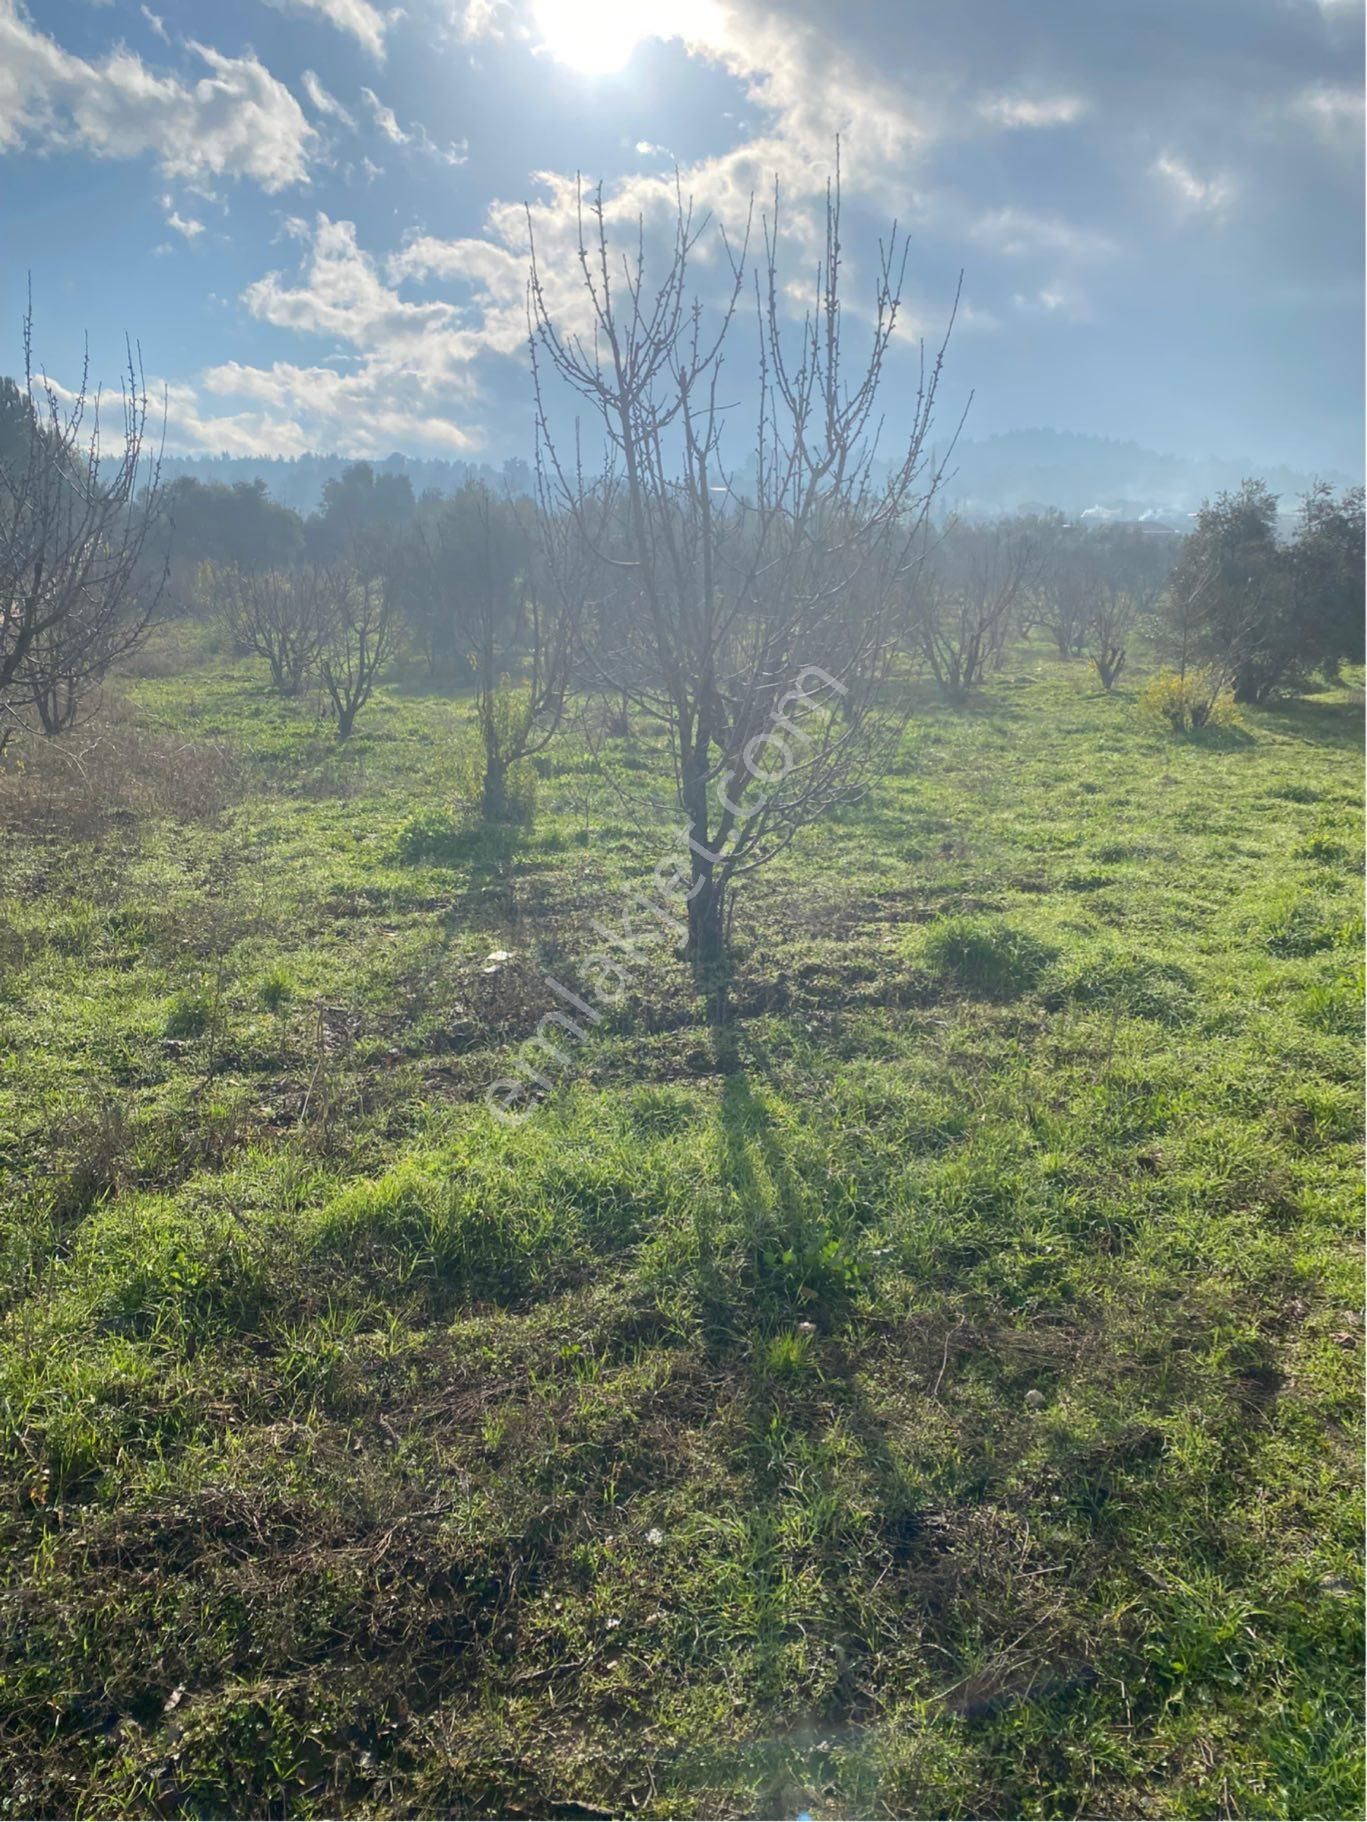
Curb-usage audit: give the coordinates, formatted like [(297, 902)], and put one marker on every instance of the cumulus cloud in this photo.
[(236, 120), (397, 372), (370, 411), (1118, 128), (340, 294), (189, 431)]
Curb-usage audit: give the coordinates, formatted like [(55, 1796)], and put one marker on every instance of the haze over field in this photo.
[(1015, 472), (311, 212)]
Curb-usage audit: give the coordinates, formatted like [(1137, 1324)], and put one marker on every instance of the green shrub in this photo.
[(519, 789), (985, 957), (1187, 704)]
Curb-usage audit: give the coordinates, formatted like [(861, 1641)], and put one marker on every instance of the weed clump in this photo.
[(787, 1356), (432, 838), (442, 838), (1304, 923), (1335, 1006), (275, 990), (985, 957), (1325, 846), (189, 1015), (1111, 978)]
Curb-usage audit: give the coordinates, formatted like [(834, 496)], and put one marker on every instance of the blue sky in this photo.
[(310, 212)]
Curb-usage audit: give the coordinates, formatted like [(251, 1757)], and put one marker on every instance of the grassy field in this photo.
[(951, 1409)]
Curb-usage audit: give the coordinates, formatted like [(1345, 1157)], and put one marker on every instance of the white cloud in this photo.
[(186, 225), (408, 376), (237, 120), (385, 118), (362, 21), (1018, 233), (902, 102), (239, 433), (1058, 298), (323, 102), (1032, 111), (1334, 114), (341, 295), (1194, 195), (480, 18), (455, 153), (156, 23), (377, 408)]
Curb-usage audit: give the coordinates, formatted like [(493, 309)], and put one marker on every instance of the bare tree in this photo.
[(283, 615), (518, 635), (961, 601), (1062, 594), (74, 519), (363, 634), (68, 659), (756, 604), (1127, 573)]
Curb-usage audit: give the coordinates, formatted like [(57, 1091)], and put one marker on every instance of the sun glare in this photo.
[(597, 37)]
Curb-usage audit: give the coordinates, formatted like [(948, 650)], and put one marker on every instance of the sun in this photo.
[(597, 37)]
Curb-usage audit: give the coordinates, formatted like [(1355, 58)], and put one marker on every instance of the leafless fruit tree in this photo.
[(74, 519), (363, 635), (514, 621), (283, 615), (759, 604), (1062, 594), (1127, 573), (961, 600)]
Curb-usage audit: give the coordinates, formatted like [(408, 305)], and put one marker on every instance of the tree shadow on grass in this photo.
[(781, 1319), (1319, 722)]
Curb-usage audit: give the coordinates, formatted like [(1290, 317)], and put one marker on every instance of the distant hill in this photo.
[(1024, 468), (1019, 469)]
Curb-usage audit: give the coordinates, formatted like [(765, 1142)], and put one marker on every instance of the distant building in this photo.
[(1152, 521)]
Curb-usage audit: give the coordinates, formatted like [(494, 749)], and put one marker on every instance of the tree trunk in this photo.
[(495, 795), (706, 946), (705, 949)]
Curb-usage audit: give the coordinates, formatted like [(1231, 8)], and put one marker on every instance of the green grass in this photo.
[(953, 1408)]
